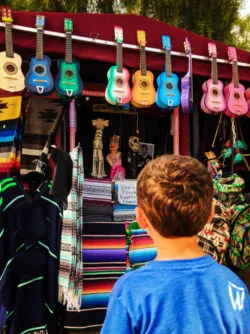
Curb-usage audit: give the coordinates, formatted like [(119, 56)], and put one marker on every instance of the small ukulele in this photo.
[(168, 95), (68, 81), (118, 91), (235, 92), (187, 102), (11, 76), (143, 91), (247, 94), (213, 100), (39, 79)]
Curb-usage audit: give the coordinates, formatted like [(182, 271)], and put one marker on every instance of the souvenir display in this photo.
[(117, 172), (98, 160)]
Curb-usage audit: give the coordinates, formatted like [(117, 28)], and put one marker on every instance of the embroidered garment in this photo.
[(29, 252), (70, 272)]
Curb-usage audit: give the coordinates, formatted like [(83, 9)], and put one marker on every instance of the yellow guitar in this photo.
[(143, 91), (11, 76)]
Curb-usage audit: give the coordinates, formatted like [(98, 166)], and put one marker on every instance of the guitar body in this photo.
[(143, 91), (186, 98), (118, 89), (247, 94), (168, 93), (213, 100), (68, 81), (235, 99), (39, 79), (11, 75)]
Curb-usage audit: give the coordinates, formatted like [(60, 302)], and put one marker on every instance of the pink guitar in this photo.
[(247, 94), (235, 92), (213, 100)]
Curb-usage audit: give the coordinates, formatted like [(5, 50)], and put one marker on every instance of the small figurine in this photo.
[(132, 158), (117, 172), (98, 160)]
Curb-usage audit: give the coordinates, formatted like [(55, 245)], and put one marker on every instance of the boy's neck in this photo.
[(176, 248)]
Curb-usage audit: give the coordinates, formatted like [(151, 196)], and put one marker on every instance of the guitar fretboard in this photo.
[(143, 60), (68, 56), (235, 74), (190, 71), (214, 70), (39, 44), (119, 57), (8, 40), (168, 64)]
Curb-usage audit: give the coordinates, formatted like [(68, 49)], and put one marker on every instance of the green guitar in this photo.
[(68, 81)]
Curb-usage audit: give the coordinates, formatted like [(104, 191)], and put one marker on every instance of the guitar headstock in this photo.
[(118, 34), (187, 46), (232, 54), (6, 14), (141, 37), (212, 50), (68, 26), (40, 21), (166, 42)]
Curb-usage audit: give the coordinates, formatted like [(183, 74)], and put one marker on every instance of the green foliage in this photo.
[(240, 33)]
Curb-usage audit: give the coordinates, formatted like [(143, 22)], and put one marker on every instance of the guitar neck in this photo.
[(176, 131), (8, 40), (168, 64), (68, 56), (235, 74), (190, 73), (119, 58), (214, 70), (143, 61), (39, 44)]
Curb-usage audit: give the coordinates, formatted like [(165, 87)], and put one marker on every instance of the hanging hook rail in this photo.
[(125, 45)]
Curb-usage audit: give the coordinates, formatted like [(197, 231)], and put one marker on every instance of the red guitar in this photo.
[(235, 92), (213, 101)]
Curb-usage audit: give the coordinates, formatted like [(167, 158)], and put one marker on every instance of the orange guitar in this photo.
[(143, 91)]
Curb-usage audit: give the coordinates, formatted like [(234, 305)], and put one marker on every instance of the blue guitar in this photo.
[(39, 79), (168, 95)]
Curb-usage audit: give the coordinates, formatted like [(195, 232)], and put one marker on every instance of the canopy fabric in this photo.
[(102, 26)]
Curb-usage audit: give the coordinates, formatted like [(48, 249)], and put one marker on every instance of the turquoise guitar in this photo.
[(168, 95), (68, 81), (118, 91), (39, 79)]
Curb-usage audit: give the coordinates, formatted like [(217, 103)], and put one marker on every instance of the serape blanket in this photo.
[(70, 271), (96, 189), (40, 117), (123, 213)]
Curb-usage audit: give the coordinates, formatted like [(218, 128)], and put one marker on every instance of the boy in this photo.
[(183, 291)]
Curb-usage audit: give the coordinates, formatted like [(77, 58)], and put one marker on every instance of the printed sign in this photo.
[(127, 192)]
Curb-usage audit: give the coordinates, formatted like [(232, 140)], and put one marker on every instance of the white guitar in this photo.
[(11, 75)]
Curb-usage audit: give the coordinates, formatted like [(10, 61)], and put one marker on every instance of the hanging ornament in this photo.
[(226, 153), (238, 159)]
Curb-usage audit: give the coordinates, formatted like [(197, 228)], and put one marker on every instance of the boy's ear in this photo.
[(141, 218)]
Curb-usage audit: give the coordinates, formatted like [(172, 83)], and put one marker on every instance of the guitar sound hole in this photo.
[(144, 84), (237, 96), (215, 92), (39, 69), (69, 73), (10, 68), (169, 85), (119, 82)]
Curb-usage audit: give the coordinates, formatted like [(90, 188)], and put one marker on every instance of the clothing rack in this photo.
[(124, 45)]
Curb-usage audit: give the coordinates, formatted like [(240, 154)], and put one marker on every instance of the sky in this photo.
[(245, 8)]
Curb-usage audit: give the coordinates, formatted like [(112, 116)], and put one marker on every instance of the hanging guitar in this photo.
[(39, 79), (213, 100), (187, 100), (118, 91), (168, 95), (235, 92), (247, 94), (143, 91), (11, 76), (68, 81)]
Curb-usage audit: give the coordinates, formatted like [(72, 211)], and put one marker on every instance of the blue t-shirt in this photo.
[(193, 296)]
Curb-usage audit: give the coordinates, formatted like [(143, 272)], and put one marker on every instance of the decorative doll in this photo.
[(117, 172), (132, 158), (98, 160)]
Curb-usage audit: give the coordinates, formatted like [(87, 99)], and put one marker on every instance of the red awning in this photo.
[(102, 26)]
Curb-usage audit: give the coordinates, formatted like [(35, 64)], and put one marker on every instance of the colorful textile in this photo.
[(40, 117), (124, 213), (97, 190), (70, 272), (161, 297)]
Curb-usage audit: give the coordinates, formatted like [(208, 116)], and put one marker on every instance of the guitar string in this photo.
[(215, 70), (9, 41), (168, 64), (39, 44), (143, 61), (68, 57), (119, 57), (235, 74)]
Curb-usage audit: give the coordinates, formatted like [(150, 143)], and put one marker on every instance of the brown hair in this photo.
[(175, 192)]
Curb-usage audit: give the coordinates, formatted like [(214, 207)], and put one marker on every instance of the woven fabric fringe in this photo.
[(70, 271)]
